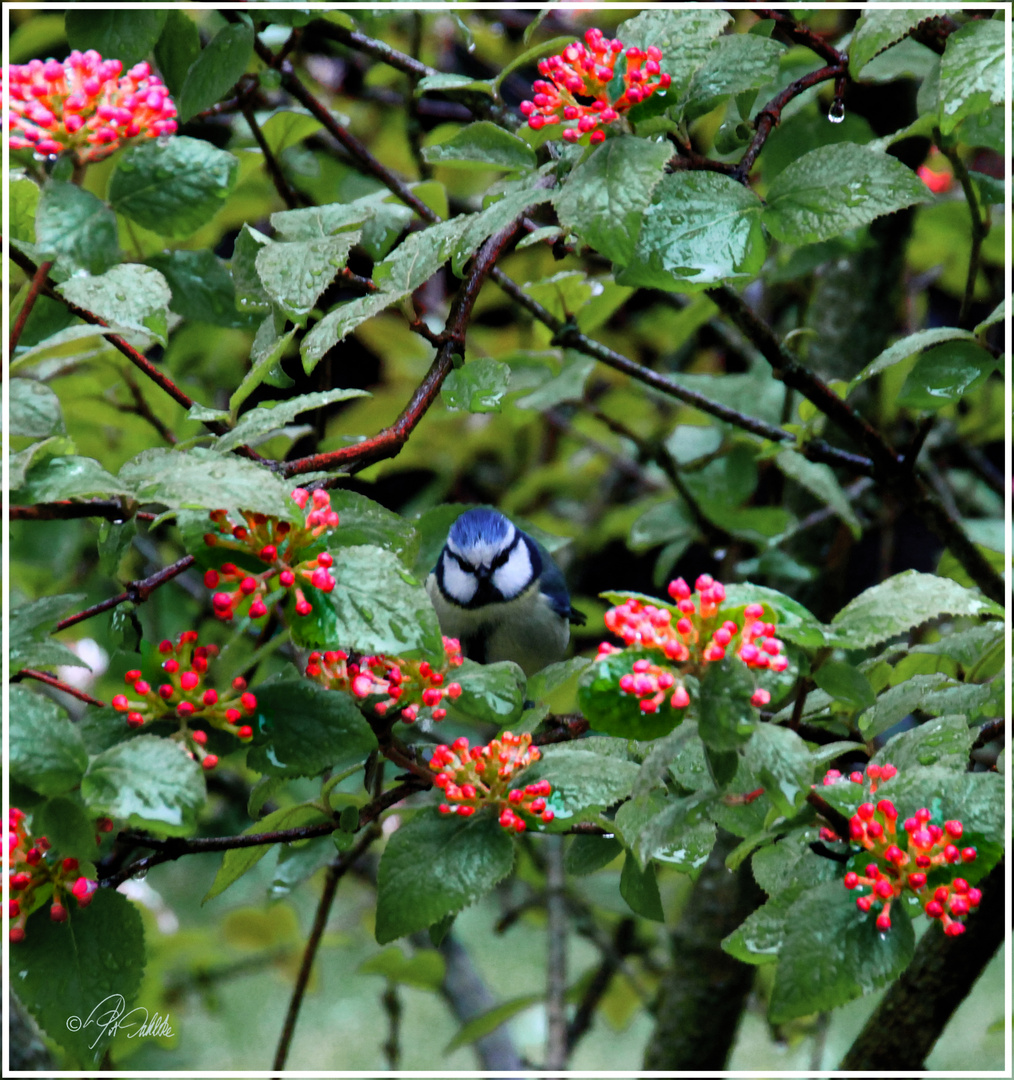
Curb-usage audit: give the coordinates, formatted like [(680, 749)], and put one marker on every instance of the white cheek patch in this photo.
[(459, 585), (516, 573)]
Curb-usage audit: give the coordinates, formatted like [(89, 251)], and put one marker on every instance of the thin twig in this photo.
[(56, 684), (285, 190), (136, 592), (67, 510), (980, 224), (34, 286), (557, 1045), (335, 872)]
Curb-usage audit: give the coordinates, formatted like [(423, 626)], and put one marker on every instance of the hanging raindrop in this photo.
[(836, 114)]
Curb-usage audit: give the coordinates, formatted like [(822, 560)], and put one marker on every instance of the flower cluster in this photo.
[(31, 869), (482, 776), (689, 637), (278, 545), (586, 70), (182, 697), (85, 105), (906, 858), (391, 681)]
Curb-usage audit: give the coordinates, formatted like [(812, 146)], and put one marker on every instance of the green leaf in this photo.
[(203, 479), (670, 830), (997, 315), (437, 864), (148, 782), (424, 969), (34, 410), (945, 741), (909, 346), (66, 826), (216, 71), (726, 718), (895, 703), (364, 521), (302, 729), (446, 82), (237, 861), (172, 189), (821, 482), (700, 228), (23, 200), (295, 274), (835, 188), (176, 49), (319, 222), (126, 34), (67, 970), (377, 606), (901, 603), (586, 854), (57, 478), (640, 889), (544, 48), (612, 712), (202, 288), (944, 374), (737, 62), (781, 759), (583, 781), (879, 28), (482, 145), (250, 295), (288, 127), (758, 939), (478, 386), (46, 751), (685, 35), (845, 684), (78, 228), (834, 953), (29, 643), (340, 321), (604, 198), (272, 415), (567, 384), (265, 355), (490, 693), (487, 1022), (133, 295), (971, 72)]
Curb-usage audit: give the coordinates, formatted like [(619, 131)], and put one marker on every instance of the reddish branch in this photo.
[(56, 684), (136, 592), (38, 280)]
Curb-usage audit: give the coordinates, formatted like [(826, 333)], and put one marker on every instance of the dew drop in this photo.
[(836, 114), (121, 296), (163, 141)]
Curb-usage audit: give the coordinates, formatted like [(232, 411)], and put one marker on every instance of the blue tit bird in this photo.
[(500, 594)]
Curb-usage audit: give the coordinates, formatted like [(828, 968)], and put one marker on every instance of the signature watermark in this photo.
[(111, 1016)]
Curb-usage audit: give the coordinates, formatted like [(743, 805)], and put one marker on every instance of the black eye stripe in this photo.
[(499, 561)]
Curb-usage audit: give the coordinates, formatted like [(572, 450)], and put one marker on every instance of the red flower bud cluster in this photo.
[(907, 857), (585, 70), (32, 866), (83, 104), (482, 776), (689, 636), (182, 697), (278, 545), (408, 685)]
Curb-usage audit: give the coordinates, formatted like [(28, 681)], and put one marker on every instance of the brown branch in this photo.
[(38, 280), (769, 116), (56, 684), (285, 190), (335, 872), (802, 35), (980, 223), (176, 847), (143, 409), (388, 443), (136, 592)]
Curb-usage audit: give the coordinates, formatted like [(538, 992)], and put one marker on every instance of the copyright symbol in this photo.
[(74, 1023)]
